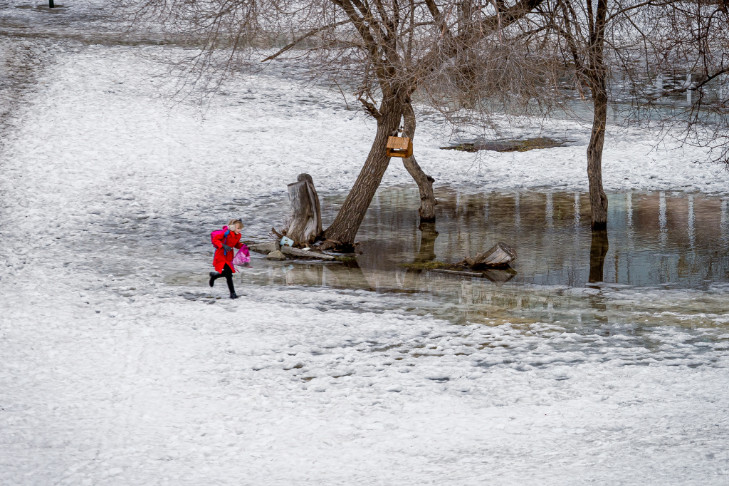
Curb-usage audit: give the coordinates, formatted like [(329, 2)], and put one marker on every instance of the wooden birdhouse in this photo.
[(399, 147)]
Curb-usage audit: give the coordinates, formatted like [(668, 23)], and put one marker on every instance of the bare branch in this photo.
[(305, 36)]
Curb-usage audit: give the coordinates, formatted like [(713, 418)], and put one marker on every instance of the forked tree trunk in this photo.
[(598, 199), (423, 180), (346, 224)]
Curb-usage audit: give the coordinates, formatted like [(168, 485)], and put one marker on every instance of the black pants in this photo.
[(228, 274)]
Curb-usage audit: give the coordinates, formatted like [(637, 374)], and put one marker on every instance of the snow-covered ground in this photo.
[(119, 366)]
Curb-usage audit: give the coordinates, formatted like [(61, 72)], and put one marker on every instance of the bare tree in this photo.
[(634, 40), (700, 47), (393, 48), (582, 26)]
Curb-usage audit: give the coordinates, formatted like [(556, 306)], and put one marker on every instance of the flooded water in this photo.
[(653, 239), (664, 258)]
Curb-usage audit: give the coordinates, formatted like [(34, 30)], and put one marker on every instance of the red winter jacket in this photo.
[(219, 238)]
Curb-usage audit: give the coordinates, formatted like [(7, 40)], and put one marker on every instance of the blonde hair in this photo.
[(237, 222)]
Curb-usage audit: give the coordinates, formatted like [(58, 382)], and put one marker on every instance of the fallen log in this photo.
[(269, 247), (307, 254), (265, 248), (496, 275), (499, 255)]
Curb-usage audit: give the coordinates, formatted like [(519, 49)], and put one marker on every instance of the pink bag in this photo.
[(243, 256)]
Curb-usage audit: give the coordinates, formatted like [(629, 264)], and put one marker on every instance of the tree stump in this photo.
[(499, 255), (305, 225)]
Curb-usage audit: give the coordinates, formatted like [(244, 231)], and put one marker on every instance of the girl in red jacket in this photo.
[(225, 241)]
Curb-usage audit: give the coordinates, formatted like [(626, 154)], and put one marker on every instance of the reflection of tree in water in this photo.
[(426, 250), (598, 250), (345, 275), (553, 240), (424, 254)]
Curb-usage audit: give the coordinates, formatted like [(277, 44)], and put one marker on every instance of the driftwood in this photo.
[(313, 255), (265, 248), (499, 255), (269, 247), (497, 275), (327, 245), (305, 224)]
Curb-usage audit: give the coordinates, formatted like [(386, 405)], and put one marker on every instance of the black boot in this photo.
[(213, 276), (233, 295)]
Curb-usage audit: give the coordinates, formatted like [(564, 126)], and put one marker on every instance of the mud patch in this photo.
[(522, 145)]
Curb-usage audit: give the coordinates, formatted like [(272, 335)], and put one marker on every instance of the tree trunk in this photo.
[(423, 180), (598, 85), (346, 224), (598, 199)]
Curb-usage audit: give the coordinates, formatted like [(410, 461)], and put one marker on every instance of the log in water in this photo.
[(499, 255)]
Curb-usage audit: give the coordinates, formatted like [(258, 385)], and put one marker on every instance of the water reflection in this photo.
[(653, 239), (598, 249), (344, 276), (426, 249)]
